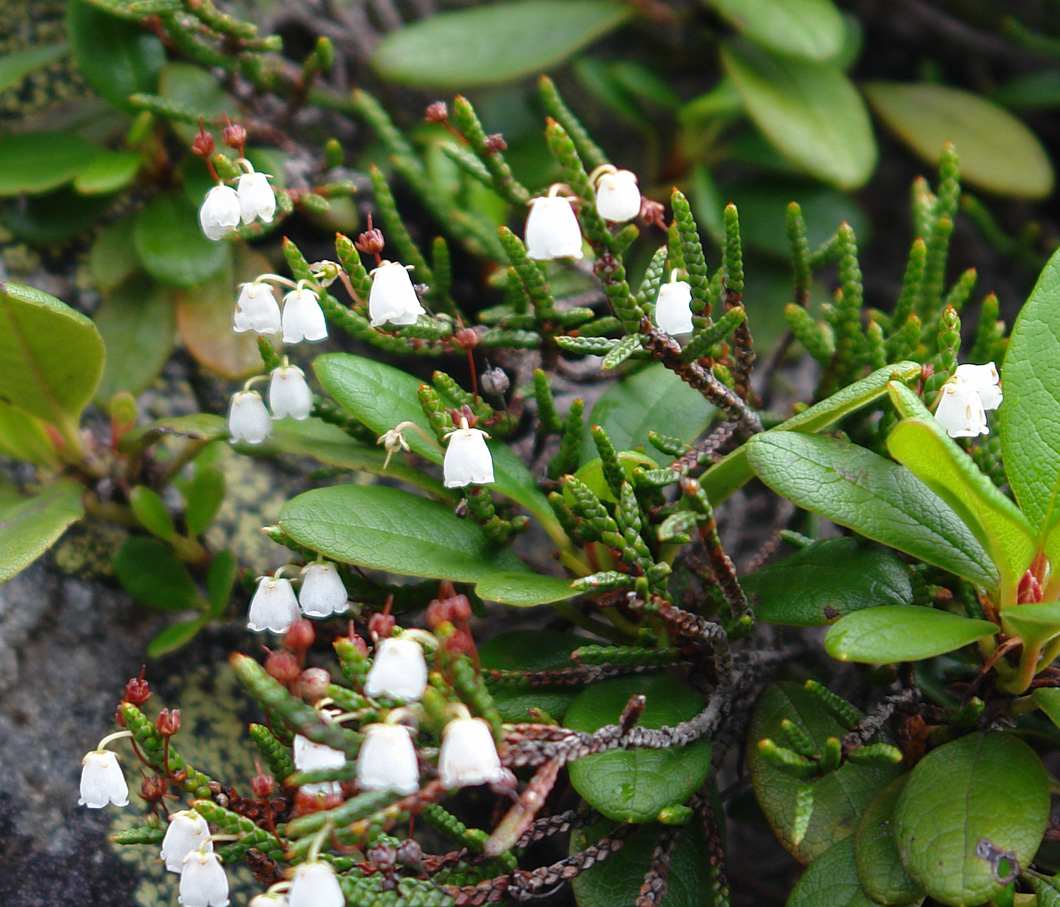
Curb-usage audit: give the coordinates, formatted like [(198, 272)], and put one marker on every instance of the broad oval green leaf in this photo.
[(487, 45), (54, 217), (521, 588), (393, 530), (151, 573), (152, 512), (810, 111), (811, 29), (109, 172), (826, 580), (839, 798), (902, 633), (831, 880), (34, 162), (30, 526), (175, 637), (1035, 624), (51, 356), (203, 497), (1048, 700), (880, 870), (997, 152), (171, 245), (200, 426), (872, 495), (967, 805), (24, 437), (112, 258), (118, 58), (530, 650), (15, 66), (634, 785)]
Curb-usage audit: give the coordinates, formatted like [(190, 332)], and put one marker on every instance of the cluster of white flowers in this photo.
[(274, 605), (289, 395), (311, 757), (224, 207), (257, 310), (964, 400)]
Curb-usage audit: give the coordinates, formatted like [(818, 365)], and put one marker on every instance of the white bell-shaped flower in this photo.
[(468, 755), (552, 229), (187, 831), (960, 410), (467, 459), (618, 196), (985, 379), (273, 607), (322, 593), (269, 899), (289, 394), (248, 419), (399, 670), (203, 882), (310, 757), (315, 885), (673, 308), (302, 318), (387, 760), (256, 198), (393, 298), (219, 213), (257, 309), (102, 781)]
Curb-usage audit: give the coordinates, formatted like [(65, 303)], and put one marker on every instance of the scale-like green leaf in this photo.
[(15, 66), (109, 172), (30, 526), (839, 798), (33, 162), (824, 581), (171, 245), (997, 152), (530, 650), (151, 573), (51, 356), (902, 633), (812, 29), (520, 588), (880, 870), (490, 44), (810, 111), (871, 495), (634, 785), (973, 811), (393, 530), (831, 881)]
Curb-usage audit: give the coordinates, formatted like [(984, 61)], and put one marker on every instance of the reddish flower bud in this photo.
[(282, 666), (234, 136), (262, 786), (203, 144), (312, 684), (461, 642), (466, 338), (438, 613), (153, 788), (409, 852), (137, 691), (371, 241), (359, 643), (459, 608), (300, 636), (382, 856), (495, 143), (438, 112), (380, 626), (307, 801), (168, 722)]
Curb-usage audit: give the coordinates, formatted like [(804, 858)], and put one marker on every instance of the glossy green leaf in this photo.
[(812, 29), (634, 785), (617, 880), (16, 66), (810, 111), (1035, 624), (997, 152), (203, 497), (967, 803), (30, 526), (112, 258), (34, 162), (902, 633), (151, 573), (490, 44), (109, 172), (733, 471), (1047, 891), (651, 399), (51, 356), (1048, 700), (24, 437), (152, 512), (54, 217), (824, 581), (871, 495), (530, 650), (879, 868), (393, 530), (840, 797), (520, 588), (831, 881), (171, 245), (220, 579), (137, 323), (117, 57), (175, 637)]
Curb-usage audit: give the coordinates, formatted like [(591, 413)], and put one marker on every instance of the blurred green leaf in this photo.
[(109, 172), (32, 162), (175, 637), (811, 29), (151, 573), (54, 217), (171, 245), (202, 426), (220, 579), (894, 633), (203, 497), (23, 437), (30, 526), (152, 512), (1034, 91), (195, 91), (17, 65), (113, 257)]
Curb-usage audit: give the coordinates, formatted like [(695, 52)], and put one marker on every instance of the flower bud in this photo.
[(380, 626), (300, 636), (617, 196), (302, 317), (438, 112), (137, 690), (673, 308), (168, 722), (468, 755), (282, 666), (234, 136), (273, 606), (552, 229), (399, 671), (256, 309), (153, 788), (387, 759), (312, 684), (289, 394), (219, 213), (322, 593), (187, 832), (392, 298), (248, 419)]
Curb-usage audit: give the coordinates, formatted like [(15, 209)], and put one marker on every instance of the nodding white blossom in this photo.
[(310, 757), (256, 198), (273, 607), (102, 781), (387, 760), (467, 459), (552, 229), (617, 196), (203, 882), (302, 318), (257, 309), (322, 593), (399, 670), (289, 394), (673, 308), (468, 755), (314, 885), (187, 831), (219, 213), (248, 419), (392, 297), (964, 400)]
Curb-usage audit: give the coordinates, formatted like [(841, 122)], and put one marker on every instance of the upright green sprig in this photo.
[(485, 147), (569, 453), (588, 150), (948, 342), (396, 232), (695, 262), (800, 255)]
